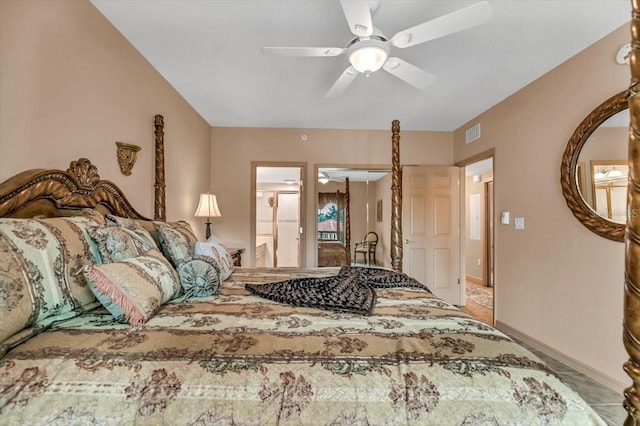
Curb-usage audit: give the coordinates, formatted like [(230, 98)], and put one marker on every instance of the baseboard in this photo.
[(473, 279), (579, 366)]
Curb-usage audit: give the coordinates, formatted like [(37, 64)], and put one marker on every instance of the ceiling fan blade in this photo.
[(345, 79), (413, 75), (358, 17), (454, 22), (304, 51)]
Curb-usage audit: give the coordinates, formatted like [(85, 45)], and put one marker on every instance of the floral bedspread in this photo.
[(239, 359)]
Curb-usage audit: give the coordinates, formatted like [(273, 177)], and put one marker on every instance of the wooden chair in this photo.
[(367, 248)]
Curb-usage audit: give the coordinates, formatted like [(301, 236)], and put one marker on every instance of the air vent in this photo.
[(472, 133)]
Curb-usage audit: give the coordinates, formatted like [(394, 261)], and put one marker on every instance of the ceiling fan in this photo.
[(324, 177), (369, 50)]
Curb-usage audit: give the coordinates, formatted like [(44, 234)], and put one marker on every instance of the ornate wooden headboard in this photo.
[(64, 192)]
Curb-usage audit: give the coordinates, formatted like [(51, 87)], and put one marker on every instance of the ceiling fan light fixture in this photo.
[(368, 56), (323, 177)]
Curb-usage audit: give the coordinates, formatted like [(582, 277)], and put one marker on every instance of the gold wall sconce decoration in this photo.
[(127, 156)]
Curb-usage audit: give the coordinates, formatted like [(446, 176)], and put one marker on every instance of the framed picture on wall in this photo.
[(379, 211)]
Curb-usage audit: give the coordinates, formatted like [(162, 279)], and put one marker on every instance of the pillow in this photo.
[(135, 225), (116, 243), (199, 276), (133, 289), (41, 263), (214, 239), (177, 240), (90, 214), (341, 293), (220, 256)]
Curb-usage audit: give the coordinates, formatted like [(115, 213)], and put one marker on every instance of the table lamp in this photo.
[(208, 207)]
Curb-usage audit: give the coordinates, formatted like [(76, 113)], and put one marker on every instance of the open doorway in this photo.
[(479, 239), (277, 214)]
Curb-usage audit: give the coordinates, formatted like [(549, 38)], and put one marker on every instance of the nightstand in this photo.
[(236, 255)]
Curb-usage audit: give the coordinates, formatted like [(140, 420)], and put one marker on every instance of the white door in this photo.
[(430, 228), (287, 229)]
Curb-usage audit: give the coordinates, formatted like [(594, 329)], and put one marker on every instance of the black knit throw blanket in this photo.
[(351, 291)]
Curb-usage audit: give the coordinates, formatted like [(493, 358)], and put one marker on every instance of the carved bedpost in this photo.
[(396, 199), (160, 207), (347, 221), (631, 324)]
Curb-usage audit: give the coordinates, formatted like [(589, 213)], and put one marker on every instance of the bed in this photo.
[(241, 357), (332, 253)]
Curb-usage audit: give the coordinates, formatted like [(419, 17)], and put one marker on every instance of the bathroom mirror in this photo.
[(594, 168)]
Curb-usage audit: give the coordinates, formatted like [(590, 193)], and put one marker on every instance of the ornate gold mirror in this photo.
[(593, 173)]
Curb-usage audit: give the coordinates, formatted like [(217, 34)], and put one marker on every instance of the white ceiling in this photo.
[(210, 51)]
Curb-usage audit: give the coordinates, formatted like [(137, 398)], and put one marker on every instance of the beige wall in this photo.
[(233, 149), (555, 281), (71, 86)]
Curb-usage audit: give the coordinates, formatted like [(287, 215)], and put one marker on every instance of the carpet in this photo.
[(480, 294)]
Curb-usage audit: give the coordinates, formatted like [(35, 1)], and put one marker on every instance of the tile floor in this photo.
[(607, 403)]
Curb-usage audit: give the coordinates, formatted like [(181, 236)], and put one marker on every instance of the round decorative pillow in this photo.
[(199, 277)]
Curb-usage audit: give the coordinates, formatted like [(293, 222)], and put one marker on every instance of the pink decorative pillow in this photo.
[(133, 289)]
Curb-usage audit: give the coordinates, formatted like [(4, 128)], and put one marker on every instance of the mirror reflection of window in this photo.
[(331, 216)]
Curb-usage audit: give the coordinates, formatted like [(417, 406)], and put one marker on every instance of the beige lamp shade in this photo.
[(208, 206)]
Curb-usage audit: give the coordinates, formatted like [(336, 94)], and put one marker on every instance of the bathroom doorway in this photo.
[(278, 193)]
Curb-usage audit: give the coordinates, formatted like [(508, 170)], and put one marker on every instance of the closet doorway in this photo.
[(278, 200)]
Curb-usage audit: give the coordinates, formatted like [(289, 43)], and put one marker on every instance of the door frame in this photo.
[(302, 211), (490, 153), (488, 249)]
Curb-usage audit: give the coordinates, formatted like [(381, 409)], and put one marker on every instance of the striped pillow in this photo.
[(41, 263), (133, 289)]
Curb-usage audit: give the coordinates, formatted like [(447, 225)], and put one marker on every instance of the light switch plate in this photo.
[(519, 222), (504, 218)]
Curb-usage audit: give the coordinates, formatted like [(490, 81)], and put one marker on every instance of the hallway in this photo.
[(479, 312), (479, 302)]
